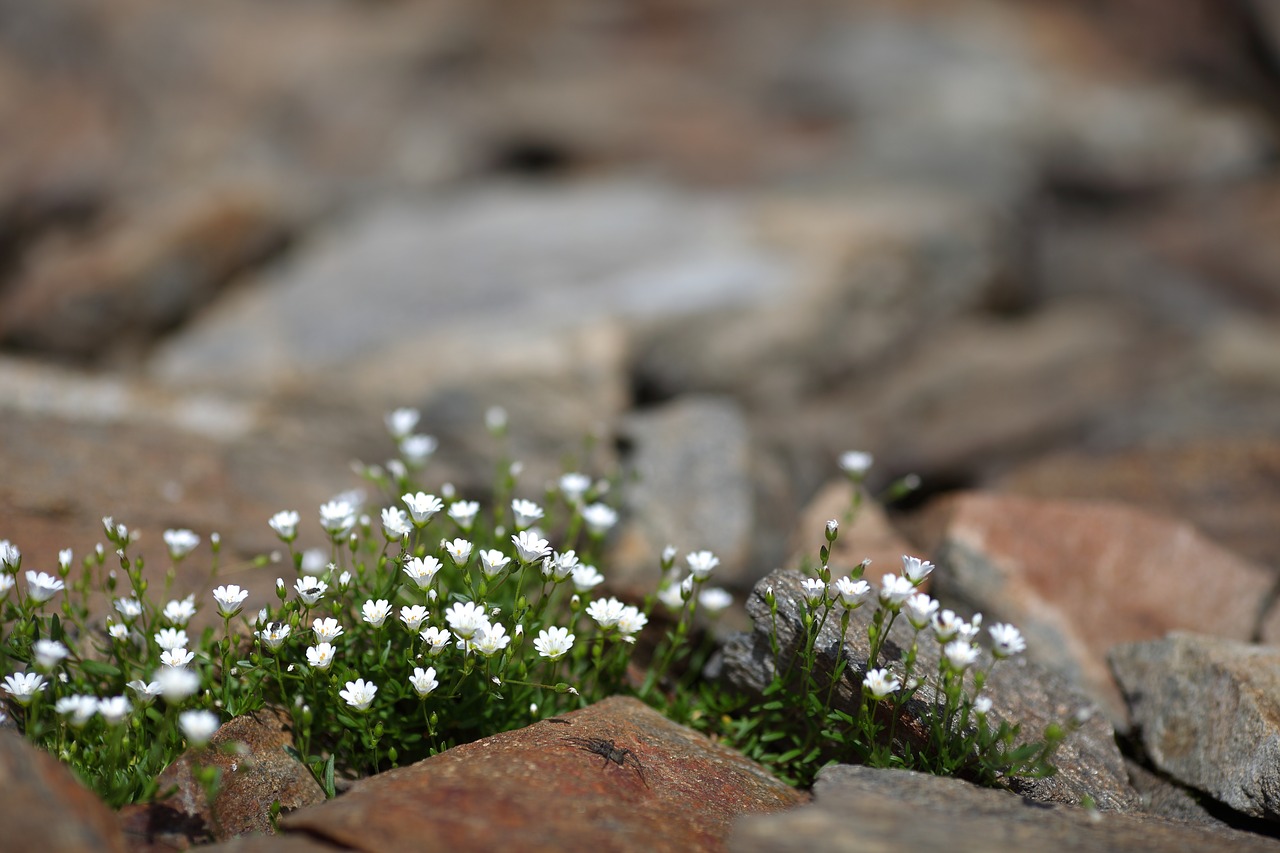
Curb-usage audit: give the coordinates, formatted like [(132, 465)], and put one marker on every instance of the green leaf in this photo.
[(101, 669)]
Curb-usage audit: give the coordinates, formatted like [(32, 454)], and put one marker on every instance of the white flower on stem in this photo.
[(23, 686), (530, 547), (714, 599), (459, 550), (850, 593), (881, 683), (599, 518), (491, 640), (422, 570), (700, 564), (310, 589), (492, 562), (172, 638), (198, 726), (525, 513), (118, 630), (359, 694), (631, 622), (64, 559), (586, 577), (176, 683), (114, 709), (344, 580), (669, 556), (417, 449), (326, 630), (412, 616), (686, 586), (833, 528), (464, 513), (894, 590), (42, 586), (574, 485), (672, 596), (400, 422), (273, 634), (982, 706), (179, 613), (495, 419), (48, 653), (6, 584), (10, 556), (176, 657), (563, 564), (856, 463), (376, 612), (606, 611), (320, 656), (395, 524), (180, 542), (960, 654), (1006, 640), (814, 590), (285, 524), (337, 517), (915, 570), (421, 506), (467, 619), (230, 599), (919, 609), (423, 680), (553, 643), (436, 639), (117, 533), (314, 562), (78, 709), (969, 630), (946, 625), (145, 691), (128, 608)]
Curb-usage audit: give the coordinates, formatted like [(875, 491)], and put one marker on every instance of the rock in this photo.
[(861, 809), (1079, 577), (46, 808), (1168, 799), (1089, 763), (534, 786), (1207, 709)]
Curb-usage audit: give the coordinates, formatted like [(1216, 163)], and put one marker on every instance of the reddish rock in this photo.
[(536, 790)]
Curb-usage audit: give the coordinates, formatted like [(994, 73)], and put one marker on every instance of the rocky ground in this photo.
[(1025, 250)]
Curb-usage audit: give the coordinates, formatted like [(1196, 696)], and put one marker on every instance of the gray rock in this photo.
[(1208, 711)]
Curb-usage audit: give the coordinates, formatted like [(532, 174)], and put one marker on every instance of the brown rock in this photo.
[(676, 791), (46, 808)]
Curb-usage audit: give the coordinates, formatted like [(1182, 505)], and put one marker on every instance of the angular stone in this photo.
[(1078, 577), (860, 809), (676, 791), (1089, 763), (1208, 712)]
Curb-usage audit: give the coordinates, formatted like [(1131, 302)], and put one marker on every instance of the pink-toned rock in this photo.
[(535, 790), (1080, 577)]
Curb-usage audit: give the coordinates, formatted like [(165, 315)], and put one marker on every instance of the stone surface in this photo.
[(1079, 577), (46, 808), (869, 811), (1089, 762), (683, 795), (1207, 709)]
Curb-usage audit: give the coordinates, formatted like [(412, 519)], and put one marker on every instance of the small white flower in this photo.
[(48, 653), (562, 564), (495, 419), (574, 485), (459, 550), (1006, 640), (946, 625), (969, 630), (23, 686), (960, 654), (422, 570), (344, 580), (672, 596), (128, 608), (180, 612), (310, 589), (714, 599), (599, 518), (491, 640), (172, 638), (180, 542), (285, 524), (881, 683), (118, 630), (146, 691), (701, 563), (492, 562), (400, 422), (198, 726), (314, 562), (606, 611), (919, 609), (586, 577), (424, 680), (273, 634), (230, 599), (64, 559), (436, 639), (78, 709), (114, 709), (915, 570), (467, 619), (421, 506), (894, 590), (42, 586), (851, 593), (856, 463), (669, 555), (982, 706), (833, 528), (338, 517), (631, 622), (320, 656), (553, 643), (6, 584), (412, 616), (359, 694), (326, 630), (176, 683), (464, 513), (417, 449), (395, 524), (530, 547), (376, 612), (10, 556), (525, 513), (814, 590), (176, 657)]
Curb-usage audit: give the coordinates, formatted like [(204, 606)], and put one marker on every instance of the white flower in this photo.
[(525, 512), (180, 612), (946, 625), (337, 517), (172, 638), (198, 726), (412, 616), (880, 683), (495, 419), (459, 550), (273, 634), (176, 657), (10, 556), (561, 565), (422, 506), (919, 609), (417, 449), (400, 422), (180, 542), (424, 680), (128, 608), (327, 629), (586, 577), (117, 533), (42, 586), (395, 524), (376, 612), (310, 589), (982, 706), (436, 639), (64, 559), (701, 563), (606, 611), (6, 584), (285, 524), (467, 619), (118, 630), (320, 655), (344, 580), (23, 686), (359, 694), (314, 562), (894, 590), (230, 599), (78, 709), (530, 547), (970, 630), (672, 596), (553, 643), (960, 654), (146, 691), (833, 528), (48, 653), (669, 556), (114, 709), (914, 569), (422, 570), (814, 590), (493, 562), (1006, 640), (631, 622), (856, 463), (574, 485), (464, 513), (714, 599), (851, 593), (599, 518), (491, 640), (176, 683)]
